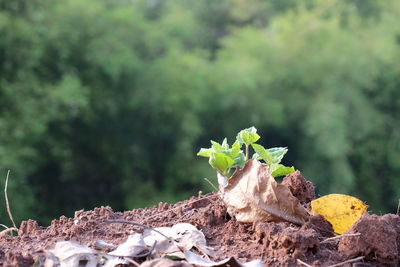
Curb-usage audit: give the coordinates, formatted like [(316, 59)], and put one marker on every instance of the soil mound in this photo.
[(275, 243)]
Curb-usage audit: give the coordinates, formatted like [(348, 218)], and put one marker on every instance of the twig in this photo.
[(303, 263), (148, 252), (6, 231), (348, 261), (132, 261), (4, 226), (212, 185), (138, 224), (338, 237), (7, 203), (398, 208)]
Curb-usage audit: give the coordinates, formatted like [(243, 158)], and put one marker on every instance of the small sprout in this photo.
[(247, 137), (223, 158), (221, 162)]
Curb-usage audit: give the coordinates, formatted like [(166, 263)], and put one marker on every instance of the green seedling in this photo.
[(247, 137), (224, 158)]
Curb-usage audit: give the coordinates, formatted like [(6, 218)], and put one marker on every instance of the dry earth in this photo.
[(275, 243)]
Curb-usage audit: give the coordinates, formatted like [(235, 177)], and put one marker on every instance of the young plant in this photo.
[(248, 137), (223, 158)]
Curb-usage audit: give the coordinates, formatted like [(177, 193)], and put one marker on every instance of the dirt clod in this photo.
[(284, 242), (28, 227), (319, 224), (394, 220), (377, 240), (17, 259), (300, 187)]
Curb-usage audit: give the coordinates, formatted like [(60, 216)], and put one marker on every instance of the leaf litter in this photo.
[(163, 242)]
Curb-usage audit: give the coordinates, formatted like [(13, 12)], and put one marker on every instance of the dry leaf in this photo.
[(164, 246), (133, 245), (196, 260), (103, 245), (185, 237), (340, 210), (70, 253), (188, 237), (163, 262), (253, 195)]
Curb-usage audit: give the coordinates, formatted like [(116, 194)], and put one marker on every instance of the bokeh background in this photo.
[(106, 102)]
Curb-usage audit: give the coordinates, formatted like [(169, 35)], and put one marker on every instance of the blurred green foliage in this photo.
[(107, 102)]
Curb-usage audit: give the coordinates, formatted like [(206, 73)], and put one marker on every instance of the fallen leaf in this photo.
[(70, 253), (133, 245), (252, 194), (340, 210), (195, 259), (188, 236), (103, 245), (165, 245), (185, 236), (163, 262)]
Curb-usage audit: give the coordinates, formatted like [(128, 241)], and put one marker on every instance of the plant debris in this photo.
[(252, 195)]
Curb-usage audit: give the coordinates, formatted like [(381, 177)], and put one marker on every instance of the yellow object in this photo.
[(340, 210)]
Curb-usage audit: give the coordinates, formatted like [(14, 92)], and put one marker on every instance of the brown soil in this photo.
[(275, 243)]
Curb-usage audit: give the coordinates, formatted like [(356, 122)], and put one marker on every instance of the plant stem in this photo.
[(247, 152), (7, 202)]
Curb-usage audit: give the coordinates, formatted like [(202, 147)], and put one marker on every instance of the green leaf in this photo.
[(225, 145), (263, 153), (278, 153), (248, 136), (235, 150), (205, 152), (256, 156), (240, 160), (221, 162), (280, 170), (216, 146)]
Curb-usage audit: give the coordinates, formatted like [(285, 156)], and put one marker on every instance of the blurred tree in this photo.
[(106, 103)]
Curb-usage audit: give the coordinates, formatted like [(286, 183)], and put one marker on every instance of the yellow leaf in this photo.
[(340, 210)]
